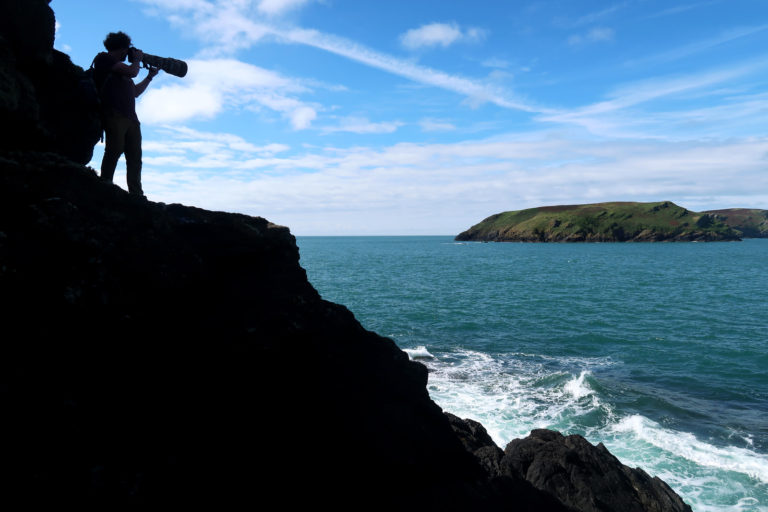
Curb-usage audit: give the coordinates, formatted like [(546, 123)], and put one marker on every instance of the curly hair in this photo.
[(117, 41)]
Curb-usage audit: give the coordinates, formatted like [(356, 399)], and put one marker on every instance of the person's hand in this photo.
[(153, 72)]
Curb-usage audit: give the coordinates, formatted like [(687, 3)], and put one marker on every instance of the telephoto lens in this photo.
[(175, 67)]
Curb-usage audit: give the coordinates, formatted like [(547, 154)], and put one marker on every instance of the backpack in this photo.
[(91, 88)]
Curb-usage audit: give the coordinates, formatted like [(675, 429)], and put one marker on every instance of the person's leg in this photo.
[(133, 158), (114, 145)]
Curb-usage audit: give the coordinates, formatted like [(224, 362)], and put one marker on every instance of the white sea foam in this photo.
[(510, 394), (687, 446), (418, 353), (578, 387)]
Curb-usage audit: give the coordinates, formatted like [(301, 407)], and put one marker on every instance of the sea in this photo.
[(657, 350)]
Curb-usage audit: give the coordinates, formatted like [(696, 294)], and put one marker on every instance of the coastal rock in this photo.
[(45, 102), (586, 477), (476, 440)]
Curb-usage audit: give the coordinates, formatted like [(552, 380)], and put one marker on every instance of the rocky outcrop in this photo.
[(585, 477), (169, 356), (46, 102)]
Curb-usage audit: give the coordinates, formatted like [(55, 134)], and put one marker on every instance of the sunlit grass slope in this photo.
[(602, 222)]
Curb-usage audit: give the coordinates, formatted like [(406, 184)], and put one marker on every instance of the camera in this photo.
[(175, 67)]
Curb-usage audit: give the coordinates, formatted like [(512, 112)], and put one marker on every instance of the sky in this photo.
[(423, 117)]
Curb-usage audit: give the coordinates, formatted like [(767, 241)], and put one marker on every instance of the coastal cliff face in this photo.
[(602, 222), (167, 355), (159, 352), (748, 222)]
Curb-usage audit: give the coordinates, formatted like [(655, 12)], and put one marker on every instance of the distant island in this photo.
[(661, 221)]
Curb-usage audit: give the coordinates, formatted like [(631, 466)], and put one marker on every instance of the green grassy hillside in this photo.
[(602, 222), (747, 222)]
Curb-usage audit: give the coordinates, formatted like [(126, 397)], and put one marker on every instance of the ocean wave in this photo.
[(512, 394), (687, 446), (577, 387), (418, 353)]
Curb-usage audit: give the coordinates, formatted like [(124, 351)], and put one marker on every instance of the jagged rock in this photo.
[(44, 101), (585, 476), (476, 440)]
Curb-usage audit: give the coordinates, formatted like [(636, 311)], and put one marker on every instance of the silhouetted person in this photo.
[(118, 95)]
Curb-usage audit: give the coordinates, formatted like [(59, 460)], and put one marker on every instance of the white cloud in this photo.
[(477, 91), (209, 143), (302, 117), (362, 125), (228, 27), (445, 188), (439, 34), (276, 7), (211, 86), (436, 125)]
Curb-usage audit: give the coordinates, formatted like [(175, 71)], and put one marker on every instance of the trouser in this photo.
[(122, 135)]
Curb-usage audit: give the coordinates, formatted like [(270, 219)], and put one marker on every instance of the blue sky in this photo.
[(361, 117)]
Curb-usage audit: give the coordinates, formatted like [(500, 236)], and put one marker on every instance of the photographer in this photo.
[(118, 95)]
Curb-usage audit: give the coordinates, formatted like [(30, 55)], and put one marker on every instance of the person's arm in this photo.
[(142, 86)]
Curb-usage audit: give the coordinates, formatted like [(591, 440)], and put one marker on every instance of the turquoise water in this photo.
[(660, 351)]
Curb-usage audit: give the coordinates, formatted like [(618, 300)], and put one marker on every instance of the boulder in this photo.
[(586, 477)]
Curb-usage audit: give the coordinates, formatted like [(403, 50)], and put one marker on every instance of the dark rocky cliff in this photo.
[(167, 355)]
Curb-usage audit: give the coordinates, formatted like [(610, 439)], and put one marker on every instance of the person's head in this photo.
[(117, 41)]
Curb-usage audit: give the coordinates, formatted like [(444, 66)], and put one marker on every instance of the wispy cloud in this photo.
[(680, 9), (363, 190), (596, 35), (436, 125), (615, 117), (439, 34), (362, 125), (277, 7), (228, 26), (213, 86), (181, 140), (473, 89), (699, 46), (593, 17)]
